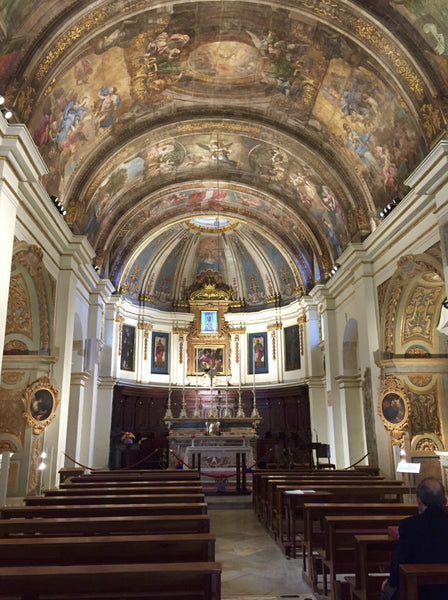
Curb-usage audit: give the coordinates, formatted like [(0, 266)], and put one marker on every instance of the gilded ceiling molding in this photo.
[(86, 25), (221, 125), (375, 40), (392, 54), (433, 121)]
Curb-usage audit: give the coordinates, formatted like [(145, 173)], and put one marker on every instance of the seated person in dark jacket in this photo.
[(423, 539)]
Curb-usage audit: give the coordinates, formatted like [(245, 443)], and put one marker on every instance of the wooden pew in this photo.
[(75, 484), (260, 484), (268, 489), (412, 576), (111, 549), (101, 510), (373, 555), (314, 519), (175, 581), (123, 491), (114, 499), (135, 525), (338, 554), (139, 475), (293, 503), (276, 497)]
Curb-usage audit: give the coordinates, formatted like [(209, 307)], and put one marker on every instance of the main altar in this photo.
[(211, 431)]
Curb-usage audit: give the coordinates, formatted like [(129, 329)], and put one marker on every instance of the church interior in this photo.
[(225, 239)]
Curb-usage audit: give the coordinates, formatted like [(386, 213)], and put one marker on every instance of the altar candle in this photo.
[(184, 356), (239, 367), (253, 364), (197, 368)]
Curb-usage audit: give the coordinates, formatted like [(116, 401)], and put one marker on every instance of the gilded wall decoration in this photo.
[(11, 411), (416, 287), (420, 380), (426, 445), (33, 479), (394, 408), (40, 402), (31, 301), (424, 412), (419, 318)]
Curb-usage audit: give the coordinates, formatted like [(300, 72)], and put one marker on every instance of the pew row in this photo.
[(313, 540), (294, 501), (155, 548), (270, 497), (101, 510), (124, 490), (139, 475), (263, 492), (342, 491), (135, 525), (339, 552), (75, 484), (175, 581), (114, 499)]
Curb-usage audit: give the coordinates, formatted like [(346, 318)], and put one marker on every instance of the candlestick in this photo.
[(240, 413), (197, 369), (253, 362), (183, 410), (169, 413), (196, 413)]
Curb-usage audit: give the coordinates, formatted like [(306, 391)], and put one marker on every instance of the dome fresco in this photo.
[(294, 122), (258, 272)]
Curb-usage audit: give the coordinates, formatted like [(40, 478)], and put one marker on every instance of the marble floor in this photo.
[(253, 566)]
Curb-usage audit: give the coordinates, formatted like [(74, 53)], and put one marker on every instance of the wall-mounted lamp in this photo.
[(6, 112), (2, 99), (445, 303), (334, 268), (96, 267), (59, 205), (390, 207)]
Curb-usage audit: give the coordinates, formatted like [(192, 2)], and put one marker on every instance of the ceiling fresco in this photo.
[(297, 120)]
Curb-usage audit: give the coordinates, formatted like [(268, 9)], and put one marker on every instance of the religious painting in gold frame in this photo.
[(393, 406), (210, 358), (40, 401)]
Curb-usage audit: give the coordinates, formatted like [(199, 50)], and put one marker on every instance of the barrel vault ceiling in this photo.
[(248, 142)]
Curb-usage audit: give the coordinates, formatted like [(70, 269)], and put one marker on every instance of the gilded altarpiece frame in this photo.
[(212, 346)]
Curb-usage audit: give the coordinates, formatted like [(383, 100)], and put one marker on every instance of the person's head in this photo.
[(430, 492)]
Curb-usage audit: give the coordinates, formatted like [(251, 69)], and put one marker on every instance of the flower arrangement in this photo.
[(128, 437)]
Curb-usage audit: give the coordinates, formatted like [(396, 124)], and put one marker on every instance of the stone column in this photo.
[(350, 394)]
